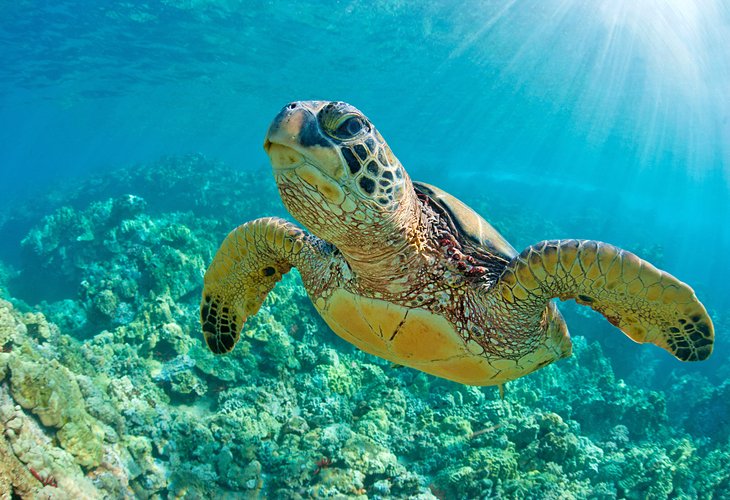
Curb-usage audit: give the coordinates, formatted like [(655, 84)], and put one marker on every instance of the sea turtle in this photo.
[(411, 274)]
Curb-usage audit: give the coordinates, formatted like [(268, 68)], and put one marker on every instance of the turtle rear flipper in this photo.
[(646, 303), (251, 260)]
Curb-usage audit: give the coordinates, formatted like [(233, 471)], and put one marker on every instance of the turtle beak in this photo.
[(282, 139), (296, 125), (294, 137), (286, 126)]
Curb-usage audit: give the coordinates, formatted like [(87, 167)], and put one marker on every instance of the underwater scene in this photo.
[(361, 333)]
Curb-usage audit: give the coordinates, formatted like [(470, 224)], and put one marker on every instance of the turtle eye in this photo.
[(350, 127)]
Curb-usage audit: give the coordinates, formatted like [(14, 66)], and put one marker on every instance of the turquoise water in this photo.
[(604, 120)]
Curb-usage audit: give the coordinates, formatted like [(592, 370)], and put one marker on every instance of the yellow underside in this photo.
[(420, 340)]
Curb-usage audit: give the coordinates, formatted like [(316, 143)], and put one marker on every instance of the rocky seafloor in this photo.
[(108, 391)]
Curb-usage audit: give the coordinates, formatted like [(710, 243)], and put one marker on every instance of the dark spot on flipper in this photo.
[(702, 353), (683, 353), (585, 298), (695, 336), (235, 327), (704, 329), (682, 321), (370, 144), (220, 325), (212, 340), (699, 351), (696, 318), (372, 167), (227, 341), (674, 329), (703, 343), (268, 271)]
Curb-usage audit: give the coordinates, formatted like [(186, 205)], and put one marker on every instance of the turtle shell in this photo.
[(420, 339), (469, 227), (423, 339)]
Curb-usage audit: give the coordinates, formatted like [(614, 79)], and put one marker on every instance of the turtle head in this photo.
[(335, 172)]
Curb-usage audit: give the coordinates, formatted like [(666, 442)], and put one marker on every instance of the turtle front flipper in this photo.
[(250, 261), (647, 304)]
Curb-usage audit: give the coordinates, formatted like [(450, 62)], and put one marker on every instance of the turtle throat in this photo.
[(383, 251)]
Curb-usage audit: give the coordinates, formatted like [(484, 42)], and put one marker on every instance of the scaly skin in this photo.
[(390, 271), (647, 304), (251, 260)]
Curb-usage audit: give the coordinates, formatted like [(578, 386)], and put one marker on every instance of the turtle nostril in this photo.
[(292, 105)]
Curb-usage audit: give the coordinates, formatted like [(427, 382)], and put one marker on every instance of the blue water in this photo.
[(605, 120), (559, 106)]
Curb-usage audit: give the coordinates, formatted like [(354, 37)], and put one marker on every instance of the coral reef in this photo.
[(107, 390)]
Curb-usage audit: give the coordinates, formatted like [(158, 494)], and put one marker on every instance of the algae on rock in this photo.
[(50, 391)]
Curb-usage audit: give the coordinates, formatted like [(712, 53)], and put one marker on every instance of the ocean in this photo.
[(131, 143)]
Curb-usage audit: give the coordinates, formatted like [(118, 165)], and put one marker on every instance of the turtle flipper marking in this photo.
[(251, 260), (647, 304)]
